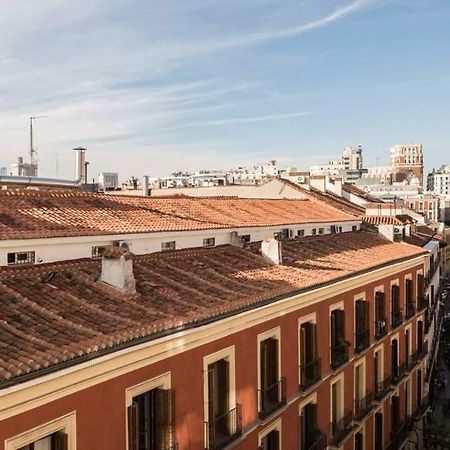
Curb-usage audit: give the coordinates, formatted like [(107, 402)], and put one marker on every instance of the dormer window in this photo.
[(19, 258)]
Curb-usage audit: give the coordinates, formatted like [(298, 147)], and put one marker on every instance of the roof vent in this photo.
[(271, 250), (117, 269)]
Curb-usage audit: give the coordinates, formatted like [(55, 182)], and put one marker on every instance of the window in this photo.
[(379, 430), (380, 315), (59, 434), (151, 420), (271, 441), (21, 258), (310, 363), (271, 387), (270, 438), (354, 227), (300, 233), (97, 251), (339, 346), (396, 318), (222, 415), (335, 229), (310, 435), (167, 246), (246, 238), (314, 231), (321, 230), (362, 339), (209, 242), (395, 370), (55, 441)]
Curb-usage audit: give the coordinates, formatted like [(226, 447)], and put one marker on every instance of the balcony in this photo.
[(382, 388), (362, 340), (423, 350), (310, 374), (410, 309), (380, 328), (272, 398), (399, 436), (398, 373), (224, 429), (422, 408), (412, 360), (397, 318), (316, 440), (341, 429), (363, 406), (422, 303), (339, 355)]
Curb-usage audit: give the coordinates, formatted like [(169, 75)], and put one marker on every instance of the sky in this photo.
[(152, 87)]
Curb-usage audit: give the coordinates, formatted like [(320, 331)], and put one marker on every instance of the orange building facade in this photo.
[(339, 365)]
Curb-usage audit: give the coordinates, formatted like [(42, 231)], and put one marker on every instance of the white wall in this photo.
[(61, 249)]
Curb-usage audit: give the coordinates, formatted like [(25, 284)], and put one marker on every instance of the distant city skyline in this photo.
[(157, 87)]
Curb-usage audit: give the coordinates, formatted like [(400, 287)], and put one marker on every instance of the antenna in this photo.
[(32, 149)]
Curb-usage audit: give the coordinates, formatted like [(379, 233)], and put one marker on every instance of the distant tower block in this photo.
[(80, 167)]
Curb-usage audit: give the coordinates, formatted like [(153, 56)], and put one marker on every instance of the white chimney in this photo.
[(271, 250), (145, 186), (318, 182), (117, 269), (80, 167)]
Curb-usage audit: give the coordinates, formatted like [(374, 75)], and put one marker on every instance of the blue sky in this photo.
[(150, 87)]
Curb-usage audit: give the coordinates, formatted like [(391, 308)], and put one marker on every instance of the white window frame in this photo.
[(162, 381), (274, 333), (228, 354), (275, 425), (341, 407), (66, 424)]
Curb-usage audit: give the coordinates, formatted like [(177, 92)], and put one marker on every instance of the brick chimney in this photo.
[(272, 251), (117, 269)]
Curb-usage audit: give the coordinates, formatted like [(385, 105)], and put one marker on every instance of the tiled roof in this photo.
[(352, 189), (328, 197), (40, 214), (388, 220), (56, 314)]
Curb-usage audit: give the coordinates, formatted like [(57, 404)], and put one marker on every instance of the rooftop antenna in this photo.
[(32, 149)]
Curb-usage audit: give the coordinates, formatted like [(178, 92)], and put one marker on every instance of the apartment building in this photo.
[(407, 161), (306, 335)]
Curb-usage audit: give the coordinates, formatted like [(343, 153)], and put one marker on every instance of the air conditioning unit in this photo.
[(121, 244), (397, 230)]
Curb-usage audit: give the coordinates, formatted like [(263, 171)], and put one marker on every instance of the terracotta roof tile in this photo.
[(53, 313), (41, 214)]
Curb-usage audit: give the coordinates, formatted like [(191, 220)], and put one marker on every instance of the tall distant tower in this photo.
[(80, 166), (407, 161)]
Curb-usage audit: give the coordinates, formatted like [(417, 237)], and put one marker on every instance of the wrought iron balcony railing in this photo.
[(310, 373), (272, 398), (382, 388), (410, 309), (398, 372), (339, 355), (362, 340), (341, 428), (363, 406), (397, 318), (380, 328), (315, 440), (422, 303), (223, 429), (399, 435)]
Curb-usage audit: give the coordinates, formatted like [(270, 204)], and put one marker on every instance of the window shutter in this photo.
[(264, 355), (420, 285), (379, 300), (164, 417), (223, 385), (133, 426), (60, 441), (396, 296), (303, 344), (334, 327), (314, 341), (275, 440)]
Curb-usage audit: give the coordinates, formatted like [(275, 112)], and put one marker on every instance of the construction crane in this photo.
[(32, 149)]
